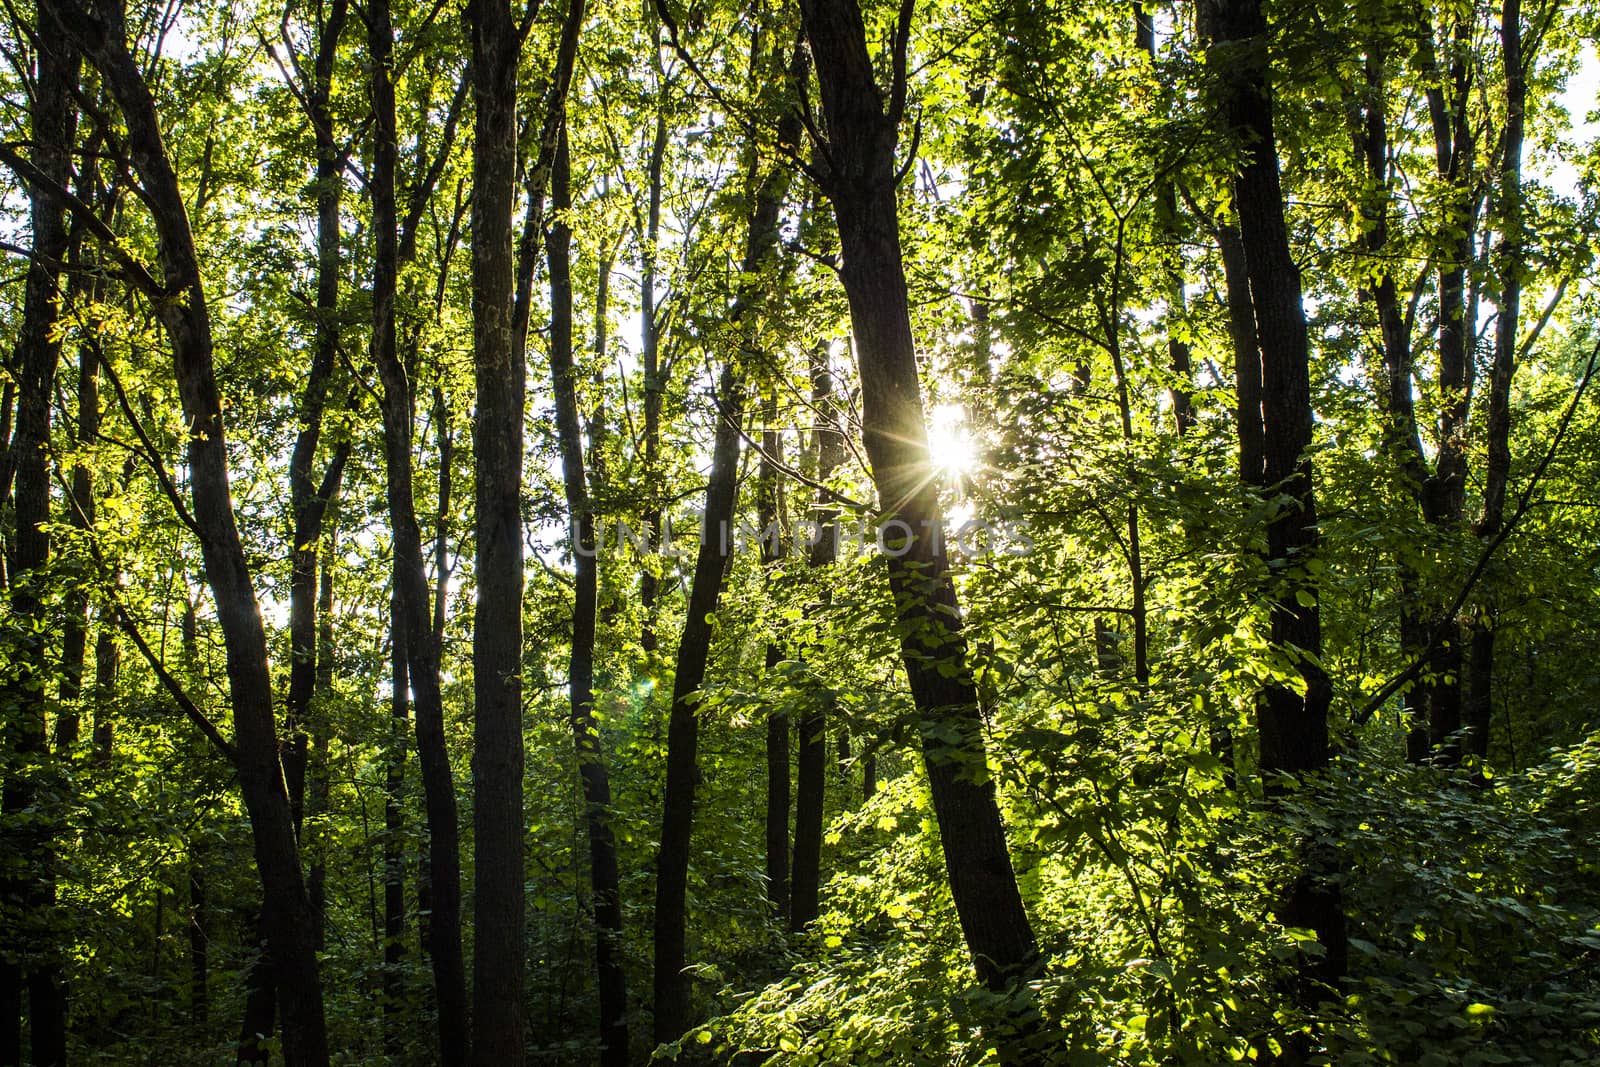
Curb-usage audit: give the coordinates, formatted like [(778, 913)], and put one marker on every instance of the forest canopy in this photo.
[(818, 532)]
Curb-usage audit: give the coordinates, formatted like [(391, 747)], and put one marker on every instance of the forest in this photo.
[(611, 532)]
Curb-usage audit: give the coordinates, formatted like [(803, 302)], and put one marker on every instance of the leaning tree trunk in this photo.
[(672, 1001), (683, 728), (861, 183), (179, 302), (410, 574)]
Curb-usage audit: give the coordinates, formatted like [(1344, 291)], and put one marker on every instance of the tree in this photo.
[(179, 300), (860, 180), (28, 962), (1292, 720)]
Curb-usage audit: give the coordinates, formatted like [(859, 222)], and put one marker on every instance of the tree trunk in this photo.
[(394, 871), (410, 575), (810, 786), (38, 351), (1393, 386), (604, 879), (306, 504), (286, 913), (861, 184), (773, 544), (1167, 231), (1293, 728), (672, 993), (1497, 469), (497, 627), (655, 386), (672, 1002)]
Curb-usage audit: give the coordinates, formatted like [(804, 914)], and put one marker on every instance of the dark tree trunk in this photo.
[(497, 626), (260, 1007), (672, 993), (80, 508), (811, 786), (1401, 439), (30, 958), (107, 660), (1168, 232), (1444, 495), (1246, 356), (861, 184), (306, 504), (318, 794), (394, 872), (410, 574), (604, 879), (672, 1005), (286, 914), (1497, 469), (773, 544), (1293, 728), (655, 386), (199, 940)]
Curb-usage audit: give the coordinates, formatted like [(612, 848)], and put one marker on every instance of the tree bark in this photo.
[(811, 768), (180, 305), (672, 993), (861, 182), (1509, 266), (655, 386), (604, 878), (394, 873), (672, 1001), (307, 505), (31, 960), (1293, 728), (773, 544), (410, 574), (497, 628)]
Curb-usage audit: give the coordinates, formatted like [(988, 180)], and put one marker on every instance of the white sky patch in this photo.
[(950, 445)]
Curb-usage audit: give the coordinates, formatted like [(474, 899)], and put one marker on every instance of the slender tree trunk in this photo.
[(810, 770), (80, 508), (655, 386), (183, 313), (107, 660), (1394, 387), (394, 873), (672, 1001), (1293, 726), (307, 504), (1497, 469), (773, 544), (497, 628), (1168, 232), (604, 879), (30, 958), (861, 184), (410, 576), (672, 993), (318, 793), (1444, 495)]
